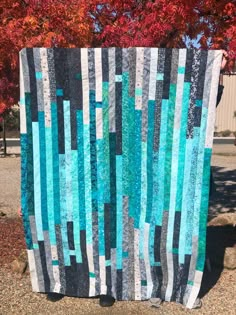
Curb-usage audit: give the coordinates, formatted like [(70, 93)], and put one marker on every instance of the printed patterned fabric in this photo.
[(116, 148)]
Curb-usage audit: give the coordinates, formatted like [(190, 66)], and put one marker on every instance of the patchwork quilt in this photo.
[(116, 147)]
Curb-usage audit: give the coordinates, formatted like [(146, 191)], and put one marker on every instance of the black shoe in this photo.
[(54, 297), (106, 300), (197, 303)]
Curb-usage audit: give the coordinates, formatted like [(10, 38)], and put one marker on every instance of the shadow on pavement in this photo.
[(223, 199), (218, 239)]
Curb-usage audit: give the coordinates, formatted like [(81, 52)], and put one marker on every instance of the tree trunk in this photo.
[(4, 138)]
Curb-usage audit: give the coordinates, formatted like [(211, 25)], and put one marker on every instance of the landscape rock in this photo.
[(224, 219), (230, 258), (20, 264)]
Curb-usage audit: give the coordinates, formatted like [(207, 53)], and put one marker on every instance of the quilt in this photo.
[(116, 146)]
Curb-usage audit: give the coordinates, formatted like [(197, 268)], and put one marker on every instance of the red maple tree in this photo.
[(26, 23), (124, 23), (163, 23)]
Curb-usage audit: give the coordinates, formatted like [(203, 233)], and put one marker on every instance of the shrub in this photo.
[(226, 133)]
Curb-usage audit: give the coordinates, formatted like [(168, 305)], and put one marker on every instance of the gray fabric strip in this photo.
[(113, 271), (145, 88), (125, 60), (159, 90), (47, 246), (25, 69), (39, 82), (52, 75), (96, 253), (193, 261), (91, 67), (60, 259), (143, 278), (193, 91), (126, 235), (131, 258), (39, 269), (112, 89), (208, 76), (126, 280), (163, 253), (174, 66), (132, 71)]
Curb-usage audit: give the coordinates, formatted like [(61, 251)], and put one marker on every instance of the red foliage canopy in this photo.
[(124, 23), (35, 24), (166, 23)]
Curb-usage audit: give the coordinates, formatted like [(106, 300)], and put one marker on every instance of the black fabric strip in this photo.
[(188, 66), (108, 280), (176, 229), (83, 270), (156, 274), (112, 144), (119, 284), (132, 71), (197, 116), (184, 277), (118, 118), (107, 230), (167, 74), (44, 266), (105, 66), (202, 71), (71, 279), (75, 83), (33, 86), (157, 243), (60, 55), (118, 61), (176, 276), (70, 233)]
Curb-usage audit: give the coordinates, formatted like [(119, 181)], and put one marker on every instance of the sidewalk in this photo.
[(224, 149), (218, 149)]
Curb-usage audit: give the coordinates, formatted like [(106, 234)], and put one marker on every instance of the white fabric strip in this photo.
[(99, 123), (170, 271), (153, 74), (91, 269), (102, 274), (85, 82), (212, 100), (98, 74), (139, 78), (180, 86), (137, 276), (33, 271), (147, 260), (56, 272), (23, 128), (54, 252), (195, 289), (46, 86)]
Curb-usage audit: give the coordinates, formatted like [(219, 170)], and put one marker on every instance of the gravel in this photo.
[(16, 298), (9, 185)]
